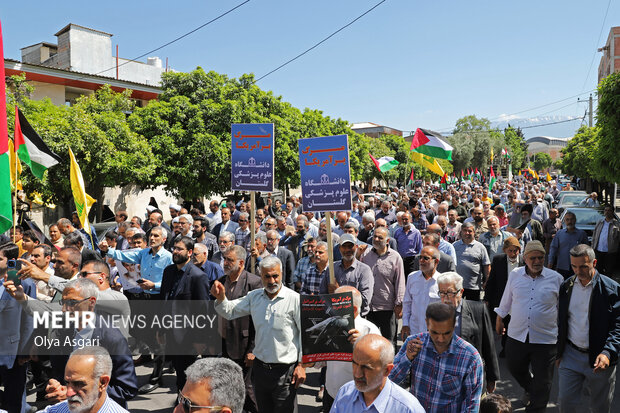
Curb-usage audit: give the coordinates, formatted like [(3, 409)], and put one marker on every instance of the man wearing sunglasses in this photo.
[(213, 384)]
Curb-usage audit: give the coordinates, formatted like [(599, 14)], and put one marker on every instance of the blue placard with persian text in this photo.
[(325, 173), (252, 157)]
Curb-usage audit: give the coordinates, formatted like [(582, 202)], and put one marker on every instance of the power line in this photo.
[(525, 127), (178, 38), (322, 41), (596, 47)]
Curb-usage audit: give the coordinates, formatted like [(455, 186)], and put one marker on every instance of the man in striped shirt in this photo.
[(87, 375), (446, 372)]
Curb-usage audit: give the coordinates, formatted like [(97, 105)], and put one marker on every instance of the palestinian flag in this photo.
[(410, 178), (384, 163), (492, 180), (477, 174), (443, 181), (6, 201), (31, 148), (430, 144)]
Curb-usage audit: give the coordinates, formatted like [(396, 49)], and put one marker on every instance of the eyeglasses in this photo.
[(425, 258), (71, 303), (243, 220), (85, 274), (188, 406), (448, 293)]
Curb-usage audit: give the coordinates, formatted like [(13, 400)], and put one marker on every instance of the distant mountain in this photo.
[(557, 130)]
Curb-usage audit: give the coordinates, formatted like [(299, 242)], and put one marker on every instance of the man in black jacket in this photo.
[(473, 324), (501, 266), (238, 334), (183, 281), (588, 334)]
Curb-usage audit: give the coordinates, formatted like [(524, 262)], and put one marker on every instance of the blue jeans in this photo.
[(575, 373)]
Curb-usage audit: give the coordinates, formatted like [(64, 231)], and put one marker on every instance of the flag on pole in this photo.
[(492, 155), (428, 162), (510, 174), (14, 163), (548, 177), (443, 181), (477, 173), (410, 178), (31, 148), (492, 180), (385, 163), (6, 200), (430, 144), (83, 201)]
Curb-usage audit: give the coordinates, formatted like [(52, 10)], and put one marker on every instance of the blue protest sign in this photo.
[(252, 157), (325, 174)]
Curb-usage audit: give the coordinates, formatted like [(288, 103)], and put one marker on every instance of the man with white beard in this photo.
[(87, 375)]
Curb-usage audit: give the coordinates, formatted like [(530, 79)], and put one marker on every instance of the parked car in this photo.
[(587, 218), (570, 200), (562, 194)]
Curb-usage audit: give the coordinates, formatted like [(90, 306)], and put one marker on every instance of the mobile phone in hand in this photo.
[(12, 272)]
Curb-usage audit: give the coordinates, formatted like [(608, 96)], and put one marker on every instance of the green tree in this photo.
[(517, 147), (606, 158), (96, 129), (577, 154), (472, 140), (542, 161)]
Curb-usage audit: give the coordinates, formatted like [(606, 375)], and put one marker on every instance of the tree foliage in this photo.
[(577, 154), (606, 158), (542, 161), (472, 140), (95, 128), (517, 147)]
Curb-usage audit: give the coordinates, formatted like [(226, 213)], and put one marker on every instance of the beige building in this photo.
[(546, 144), (610, 61), (374, 130)]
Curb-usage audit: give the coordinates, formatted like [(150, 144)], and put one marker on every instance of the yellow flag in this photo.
[(428, 162), (83, 201), (548, 177), (519, 172), (14, 162), (492, 156)]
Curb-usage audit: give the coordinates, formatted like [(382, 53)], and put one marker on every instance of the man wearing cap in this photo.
[(350, 271), (531, 299)]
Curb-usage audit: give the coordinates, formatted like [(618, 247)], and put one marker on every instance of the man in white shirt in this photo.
[(275, 312), (531, 299), (421, 290)]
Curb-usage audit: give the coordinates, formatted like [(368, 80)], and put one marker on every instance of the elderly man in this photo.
[(446, 262), (421, 290), (371, 389), (389, 284), (409, 243), (493, 240), (242, 234), (564, 240), (238, 334), (267, 245), (591, 201), (589, 334), (473, 262), (211, 270), (277, 372), (531, 299), (88, 373), (473, 324), (444, 246), (550, 227), (214, 215), (303, 265), (226, 225), (368, 224), (212, 383), (453, 227), (386, 213), (350, 271), (227, 240), (605, 241), (423, 356)]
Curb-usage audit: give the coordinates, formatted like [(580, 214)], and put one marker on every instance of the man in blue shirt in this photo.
[(409, 242), (371, 390), (564, 240)]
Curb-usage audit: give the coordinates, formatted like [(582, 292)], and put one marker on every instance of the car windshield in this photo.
[(587, 216), (573, 199)]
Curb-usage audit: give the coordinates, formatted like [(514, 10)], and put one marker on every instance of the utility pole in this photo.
[(590, 110)]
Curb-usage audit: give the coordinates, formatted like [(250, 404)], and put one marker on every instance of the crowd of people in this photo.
[(459, 265)]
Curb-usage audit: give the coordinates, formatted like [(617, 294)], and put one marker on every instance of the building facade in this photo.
[(610, 61)]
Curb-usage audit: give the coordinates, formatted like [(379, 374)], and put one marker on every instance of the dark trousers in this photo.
[(408, 265), (605, 262), (14, 380), (472, 295), (249, 405), (180, 363), (385, 320), (328, 400), (272, 387), (540, 357)]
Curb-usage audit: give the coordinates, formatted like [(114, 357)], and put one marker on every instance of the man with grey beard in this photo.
[(87, 374), (275, 312)]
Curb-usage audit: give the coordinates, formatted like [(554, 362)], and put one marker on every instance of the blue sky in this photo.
[(407, 64)]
